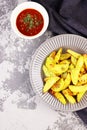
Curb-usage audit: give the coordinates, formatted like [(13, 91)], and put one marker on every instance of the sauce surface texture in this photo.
[(30, 22)]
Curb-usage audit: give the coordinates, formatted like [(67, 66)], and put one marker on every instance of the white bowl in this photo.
[(27, 5)]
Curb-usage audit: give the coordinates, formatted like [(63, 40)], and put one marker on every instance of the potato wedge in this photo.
[(61, 84), (85, 60), (60, 97), (75, 72), (64, 75), (47, 72), (53, 54), (60, 68), (49, 62), (51, 92), (65, 62), (67, 81), (69, 96), (73, 53), (74, 76), (71, 66), (74, 88), (49, 83), (83, 79), (73, 60), (80, 63), (57, 57), (83, 70), (75, 93), (58, 86), (45, 79), (80, 96), (65, 56)]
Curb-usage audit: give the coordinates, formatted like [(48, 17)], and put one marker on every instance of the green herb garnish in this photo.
[(30, 21)]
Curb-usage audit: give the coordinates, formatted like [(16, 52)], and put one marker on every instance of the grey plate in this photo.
[(74, 42)]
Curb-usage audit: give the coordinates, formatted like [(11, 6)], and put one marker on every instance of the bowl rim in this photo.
[(30, 5)]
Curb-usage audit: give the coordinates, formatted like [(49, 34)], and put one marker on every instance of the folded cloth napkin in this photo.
[(68, 16)]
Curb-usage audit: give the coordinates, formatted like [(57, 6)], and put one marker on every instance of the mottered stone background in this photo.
[(20, 107)]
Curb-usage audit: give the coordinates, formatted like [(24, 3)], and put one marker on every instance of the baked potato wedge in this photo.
[(74, 88), (64, 75), (75, 72), (49, 83), (47, 72), (57, 57), (60, 68), (73, 53), (80, 96), (65, 56), (73, 60), (58, 86), (68, 94), (49, 62), (67, 81), (60, 97), (85, 60), (83, 79), (52, 55)]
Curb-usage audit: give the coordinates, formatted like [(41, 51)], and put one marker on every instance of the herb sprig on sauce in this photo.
[(31, 21)]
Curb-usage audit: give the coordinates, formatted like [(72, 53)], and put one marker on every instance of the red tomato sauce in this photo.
[(30, 22)]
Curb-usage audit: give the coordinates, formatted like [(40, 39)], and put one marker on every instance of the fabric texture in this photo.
[(68, 16)]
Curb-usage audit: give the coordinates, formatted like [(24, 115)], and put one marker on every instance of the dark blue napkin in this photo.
[(68, 16)]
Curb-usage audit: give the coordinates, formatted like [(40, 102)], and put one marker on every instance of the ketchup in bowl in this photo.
[(30, 22)]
